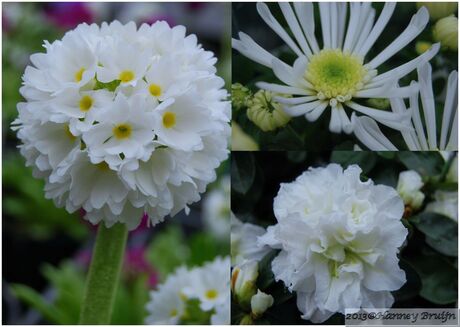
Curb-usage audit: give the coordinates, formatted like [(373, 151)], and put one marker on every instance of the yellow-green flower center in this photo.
[(155, 90), (122, 131), (335, 75), (86, 102), (211, 294), (169, 119), (79, 75), (126, 76)]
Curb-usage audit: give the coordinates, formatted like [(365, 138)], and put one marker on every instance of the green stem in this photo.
[(103, 275)]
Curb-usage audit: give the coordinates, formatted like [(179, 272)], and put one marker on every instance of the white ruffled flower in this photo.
[(423, 136), (123, 121), (243, 242), (445, 203), (216, 209), (336, 73), (210, 284), (409, 185), (339, 239)]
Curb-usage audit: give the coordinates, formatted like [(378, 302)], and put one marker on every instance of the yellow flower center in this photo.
[(122, 131), (79, 75), (155, 90), (169, 119), (126, 76), (103, 166), (336, 75), (173, 312), (211, 294), (86, 102), (69, 133)]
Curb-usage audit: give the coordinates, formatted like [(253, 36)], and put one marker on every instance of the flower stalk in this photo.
[(103, 276)]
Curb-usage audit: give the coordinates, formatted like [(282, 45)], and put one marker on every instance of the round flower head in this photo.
[(336, 73), (339, 239), (424, 121), (124, 122), (446, 32)]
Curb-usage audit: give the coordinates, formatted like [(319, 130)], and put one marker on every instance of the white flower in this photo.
[(336, 73), (216, 209), (124, 122), (424, 135), (446, 203), (167, 303), (209, 284), (243, 242), (409, 185), (339, 239), (261, 302)]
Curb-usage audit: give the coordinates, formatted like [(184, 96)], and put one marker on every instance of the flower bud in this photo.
[(409, 185), (242, 141), (267, 113), (240, 96), (446, 32), (244, 279), (422, 46), (260, 303), (452, 174), (439, 10)]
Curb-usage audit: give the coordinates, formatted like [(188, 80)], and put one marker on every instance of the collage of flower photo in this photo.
[(230, 163)]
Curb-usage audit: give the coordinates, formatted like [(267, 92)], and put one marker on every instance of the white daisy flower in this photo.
[(209, 284), (244, 242), (424, 134), (337, 73), (167, 303), (339, 239), (124, 122), (216, 210)]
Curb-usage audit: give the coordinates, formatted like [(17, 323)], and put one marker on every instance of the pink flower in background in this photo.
[(135, 264), (68, 14)]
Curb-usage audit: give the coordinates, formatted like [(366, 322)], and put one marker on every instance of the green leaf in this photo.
[(440, 232), (426, 163), (296, 156), (364, 159), (439, 278), (413, 285), (266, 277), (243, 171), (35, 300)]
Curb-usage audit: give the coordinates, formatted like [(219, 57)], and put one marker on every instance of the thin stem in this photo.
[(103, 275)]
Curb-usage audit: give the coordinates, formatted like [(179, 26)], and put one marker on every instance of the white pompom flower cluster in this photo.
[(123, 121), (171, 303), (339, 239)]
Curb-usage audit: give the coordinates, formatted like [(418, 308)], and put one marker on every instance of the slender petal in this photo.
[(282, 88), (268, 18), (317, 112), (295, 27), (353, 24), (342, 10), (305, 13), (294, 101), (427, 97), (368, 132), (386, 91), (410, 137), (417, 121), (335, 125), (453, 139), (416, 25), (382, 21), (450, 105), (364, 33), (247, 47), (325, 24), (302, 109), (406, 68)]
